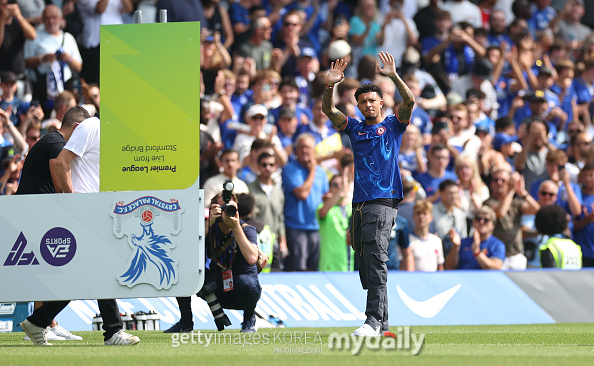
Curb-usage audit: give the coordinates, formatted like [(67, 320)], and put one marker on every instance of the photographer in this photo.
[(231, 279)]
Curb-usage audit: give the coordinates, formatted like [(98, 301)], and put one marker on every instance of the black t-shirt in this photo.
[(36, 177), (12, 55)]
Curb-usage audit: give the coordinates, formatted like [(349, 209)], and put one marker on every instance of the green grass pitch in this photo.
[(550, 344)]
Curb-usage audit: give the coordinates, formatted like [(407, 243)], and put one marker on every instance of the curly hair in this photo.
[(551, 220), (369, 88)]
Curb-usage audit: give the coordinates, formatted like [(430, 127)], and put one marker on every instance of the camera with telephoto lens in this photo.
[(228, 209)]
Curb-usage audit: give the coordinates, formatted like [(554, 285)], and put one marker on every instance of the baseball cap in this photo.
[(535, 96), (255, 110), (501, 139), (286, 112), (308, 52)]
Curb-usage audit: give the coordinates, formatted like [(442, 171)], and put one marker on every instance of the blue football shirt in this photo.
[(376, 148)]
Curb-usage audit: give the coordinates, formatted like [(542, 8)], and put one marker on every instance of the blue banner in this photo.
[(337, 300)]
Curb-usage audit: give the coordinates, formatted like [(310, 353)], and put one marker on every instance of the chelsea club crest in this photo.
[(149, 223)]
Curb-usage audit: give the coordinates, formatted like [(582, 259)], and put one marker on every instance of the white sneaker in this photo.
[(50, 336), (37, 335), (367, 330), (122, 338), (61, 332)]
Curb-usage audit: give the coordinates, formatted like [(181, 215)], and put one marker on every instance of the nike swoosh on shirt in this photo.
[(362, 133), (430, 307)]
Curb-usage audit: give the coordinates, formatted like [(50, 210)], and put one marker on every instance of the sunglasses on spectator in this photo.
[(259, 116), (268, 165), (482, 220), (548, 194), (288, 24), (574, 131)]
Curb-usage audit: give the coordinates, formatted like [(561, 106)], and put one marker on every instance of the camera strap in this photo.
[(218, 252)]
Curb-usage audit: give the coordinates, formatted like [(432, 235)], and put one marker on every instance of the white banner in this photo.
[(101, 245)]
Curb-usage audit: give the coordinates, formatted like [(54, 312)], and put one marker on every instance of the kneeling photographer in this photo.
[(231, 278)]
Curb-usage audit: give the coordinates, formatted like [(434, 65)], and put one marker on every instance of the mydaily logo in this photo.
[(403, 340), (17, 255), (430, 307)]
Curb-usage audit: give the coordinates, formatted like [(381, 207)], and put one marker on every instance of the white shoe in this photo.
[(61, 332), (367, 330), (37, 335), (50, 336), (122, 338)]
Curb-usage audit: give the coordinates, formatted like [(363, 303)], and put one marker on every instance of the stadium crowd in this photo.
[(502, 124)]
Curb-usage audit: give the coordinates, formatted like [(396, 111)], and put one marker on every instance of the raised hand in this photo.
[(389, 68), (336, 72)]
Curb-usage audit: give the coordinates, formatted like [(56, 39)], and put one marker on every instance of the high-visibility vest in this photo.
[(266, 241), (567, 254)]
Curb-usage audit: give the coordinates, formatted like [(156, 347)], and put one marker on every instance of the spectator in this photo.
[(182, 11), (14, 30), (12, 166), (531, 161), (480, 251), (258, 47), (333, 218), (320, 127), (509, 210), (366, 33), (464, 11), (270, 203), (497, 30), (579, 150), (542, 15), (547, 195), (231, 165), (583, 89), (8, 101), (217, 20), (462, 129), (473, 191), (406, 206), (95, 13), (563, 88), (7, 128), (214, 57), (438, 160), (419, 116), (559, 251), (287, 128), (427, 249), (256, 117), (480, 78), (583, 225), (569, 27), (402, 32), (412, 156), (425, 19), (304, 183), (447, 215), (54, 56), (32, 135), (399, 253), (289, 91), (63, 102), (570, 194), (289, 40), (249, 172)]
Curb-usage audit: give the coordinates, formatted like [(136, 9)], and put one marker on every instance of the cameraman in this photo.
[(231, 267)]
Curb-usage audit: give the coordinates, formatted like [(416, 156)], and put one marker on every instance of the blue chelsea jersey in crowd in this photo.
[(376, 148), (494, 249)]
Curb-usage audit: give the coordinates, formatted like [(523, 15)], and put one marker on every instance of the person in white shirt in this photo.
[(464, 11), (400, 32), (231, 165), (95, 13), (427, 248)]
